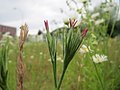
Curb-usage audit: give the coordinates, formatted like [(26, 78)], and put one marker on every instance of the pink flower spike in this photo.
[(46, 25), (84, 32), (72, 23)]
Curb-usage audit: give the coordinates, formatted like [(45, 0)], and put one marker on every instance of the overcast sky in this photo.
[(33, 12)]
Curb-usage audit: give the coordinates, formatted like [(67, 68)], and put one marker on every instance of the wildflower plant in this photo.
[(71, 40)]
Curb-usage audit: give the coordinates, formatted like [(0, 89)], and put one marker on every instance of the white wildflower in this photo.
[(99, 21), (95, 15), (84, 49), (99, 58), (32, 57)]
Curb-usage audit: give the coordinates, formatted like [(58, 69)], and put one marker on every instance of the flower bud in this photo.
[(46, 25), (84, 32)]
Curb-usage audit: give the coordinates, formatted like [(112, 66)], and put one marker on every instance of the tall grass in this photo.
[(4, 48)]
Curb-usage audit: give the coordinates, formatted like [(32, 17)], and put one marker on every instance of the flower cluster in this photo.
[(99, 58), (72, 39)]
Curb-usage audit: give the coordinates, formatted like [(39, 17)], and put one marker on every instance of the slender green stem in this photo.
[(63, 72), (55, 74), (97, 72), (61, 79), (98, 76)]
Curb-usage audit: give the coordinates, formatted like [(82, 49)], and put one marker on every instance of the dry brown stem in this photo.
[(20, 63)]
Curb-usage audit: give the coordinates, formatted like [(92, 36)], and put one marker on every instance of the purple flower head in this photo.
[(46, 25), (72, 23)]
